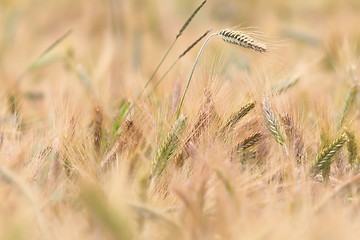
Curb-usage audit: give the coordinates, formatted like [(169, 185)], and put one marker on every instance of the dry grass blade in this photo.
[(176, 96), (286, 85), (339, 190), (111, 220), (236, 117), (154, 214), (242, 39), (323, 159), (45, 52), (168, 147), (10, 178), (272, 123)]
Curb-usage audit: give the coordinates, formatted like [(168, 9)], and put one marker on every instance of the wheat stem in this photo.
[(175, 62), (192, 72)]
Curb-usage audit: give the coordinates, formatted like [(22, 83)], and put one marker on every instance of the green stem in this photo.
[(151, 78), (192, 72), (157, 68), (163, 76)]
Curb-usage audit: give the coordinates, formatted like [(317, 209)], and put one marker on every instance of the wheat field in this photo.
[(115, 125)]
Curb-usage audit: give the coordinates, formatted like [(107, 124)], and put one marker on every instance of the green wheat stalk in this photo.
[(183, 28), (177, 60)]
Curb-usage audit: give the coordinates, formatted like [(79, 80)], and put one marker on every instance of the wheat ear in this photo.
[(272, 123), (351, 147), (249, 141), (236, 117), (98, 122), (242, 39), (349, 102), (168, 147), (294, 136), (323, 159)]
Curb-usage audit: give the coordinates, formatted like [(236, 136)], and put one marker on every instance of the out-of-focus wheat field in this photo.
[(265, 146)]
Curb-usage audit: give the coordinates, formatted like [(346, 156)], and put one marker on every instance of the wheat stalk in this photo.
[(172, 45), (176, 61), (168, 147)]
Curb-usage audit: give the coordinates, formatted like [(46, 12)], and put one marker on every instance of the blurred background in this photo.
[(123, 41)]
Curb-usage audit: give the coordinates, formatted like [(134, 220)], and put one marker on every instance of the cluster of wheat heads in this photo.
[(210, 171)]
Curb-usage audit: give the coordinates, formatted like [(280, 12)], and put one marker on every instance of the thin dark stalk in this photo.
[(180, 56)]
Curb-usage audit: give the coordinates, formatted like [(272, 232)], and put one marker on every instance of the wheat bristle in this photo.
[(242, 39)]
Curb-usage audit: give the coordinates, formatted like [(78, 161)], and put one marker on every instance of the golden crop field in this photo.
[(150, 119)]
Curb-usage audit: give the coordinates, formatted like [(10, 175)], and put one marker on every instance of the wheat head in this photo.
[(242, 39)]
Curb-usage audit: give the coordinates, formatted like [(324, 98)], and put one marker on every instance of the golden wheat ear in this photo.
[(242, 39)]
